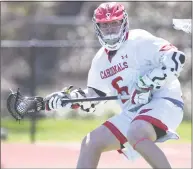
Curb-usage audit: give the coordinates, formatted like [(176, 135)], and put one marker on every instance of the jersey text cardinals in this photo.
[(113, 70)]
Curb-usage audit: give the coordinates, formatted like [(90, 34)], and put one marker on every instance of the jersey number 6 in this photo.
[(120, 90)]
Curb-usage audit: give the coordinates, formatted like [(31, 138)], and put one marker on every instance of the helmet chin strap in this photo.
[(112, 48), (108, 41), (115, 46), (118, 44)]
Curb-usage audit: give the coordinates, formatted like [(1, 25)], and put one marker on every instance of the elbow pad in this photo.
[(171, 65)]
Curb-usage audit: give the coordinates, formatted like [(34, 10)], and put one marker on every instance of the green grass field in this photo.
[(67, 130)]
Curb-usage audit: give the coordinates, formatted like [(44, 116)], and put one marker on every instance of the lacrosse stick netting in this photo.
[(183, 24)]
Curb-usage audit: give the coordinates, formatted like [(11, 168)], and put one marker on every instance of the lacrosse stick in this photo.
[(19, 105), (182, 24)]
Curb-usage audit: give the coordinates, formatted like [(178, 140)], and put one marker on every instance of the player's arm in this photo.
[(54, 100), (168, 65), (95, 88), (167, 62)]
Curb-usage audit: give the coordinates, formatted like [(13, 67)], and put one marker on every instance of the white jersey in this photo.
[(137, 56)]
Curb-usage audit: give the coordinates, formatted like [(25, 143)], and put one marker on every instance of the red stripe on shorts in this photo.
[(152, 120), (116, 132)]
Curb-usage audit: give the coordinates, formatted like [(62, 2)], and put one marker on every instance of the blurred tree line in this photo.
[(57, 67)]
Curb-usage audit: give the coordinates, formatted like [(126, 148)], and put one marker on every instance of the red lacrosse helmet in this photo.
[(111, 25)]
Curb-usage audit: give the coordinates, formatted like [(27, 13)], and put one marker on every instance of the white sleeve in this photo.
[(167, 60), (161, 53)]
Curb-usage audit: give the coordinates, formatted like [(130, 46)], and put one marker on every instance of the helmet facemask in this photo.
[(112, 34)]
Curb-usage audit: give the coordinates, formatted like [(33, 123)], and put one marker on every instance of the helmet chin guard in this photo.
[(106, 13)]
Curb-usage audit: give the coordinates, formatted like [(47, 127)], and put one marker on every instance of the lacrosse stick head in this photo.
[(18, 105), (182, 24)]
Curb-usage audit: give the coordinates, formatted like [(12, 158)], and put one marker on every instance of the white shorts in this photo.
[(160, 112)]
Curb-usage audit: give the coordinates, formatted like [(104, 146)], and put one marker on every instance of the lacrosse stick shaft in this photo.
[(126, 97)]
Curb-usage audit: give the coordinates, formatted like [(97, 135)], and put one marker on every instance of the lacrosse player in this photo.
[(138, 64)]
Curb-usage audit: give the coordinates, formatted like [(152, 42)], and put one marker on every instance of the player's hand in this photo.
[(140, 96), (54, 100), (154, 79)]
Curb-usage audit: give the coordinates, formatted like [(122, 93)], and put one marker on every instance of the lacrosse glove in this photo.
[(141, 94), (54, 100)]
